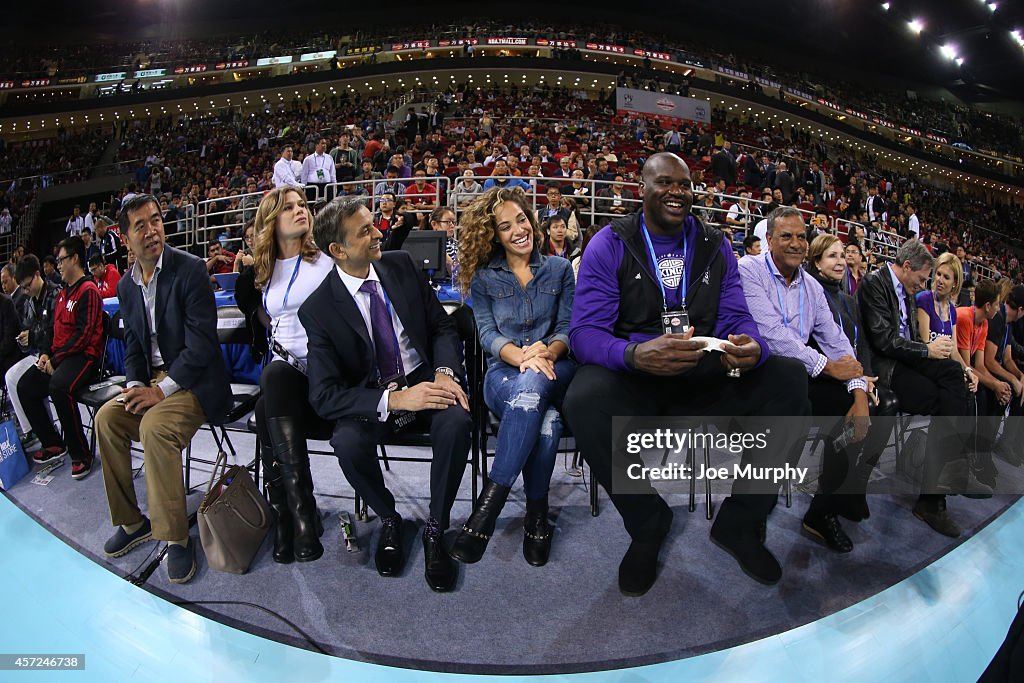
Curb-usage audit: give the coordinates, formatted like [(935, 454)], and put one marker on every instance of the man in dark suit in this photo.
[(176, 382), (723, 165), (922, 375), (383, 354)]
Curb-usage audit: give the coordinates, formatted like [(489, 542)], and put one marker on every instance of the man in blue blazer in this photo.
[(383, 354), (176, 382)]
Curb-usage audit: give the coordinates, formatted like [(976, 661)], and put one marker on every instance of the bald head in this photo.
[(659, 162), (667, 193)]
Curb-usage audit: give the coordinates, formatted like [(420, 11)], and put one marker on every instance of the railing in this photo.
[(207, 222)]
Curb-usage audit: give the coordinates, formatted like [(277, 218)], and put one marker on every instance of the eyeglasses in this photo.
[(61, 259), (449, 222)]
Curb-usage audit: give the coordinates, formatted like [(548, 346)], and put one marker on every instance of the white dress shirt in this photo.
[(318, 169), (914, 226), (284, 175), (410, 358), (167, 385), (75, 225)]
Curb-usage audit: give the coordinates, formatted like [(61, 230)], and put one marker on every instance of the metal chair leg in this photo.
[(691, 464), (707, 482)]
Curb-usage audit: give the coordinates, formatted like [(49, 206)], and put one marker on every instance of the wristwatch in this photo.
[(445, 371)]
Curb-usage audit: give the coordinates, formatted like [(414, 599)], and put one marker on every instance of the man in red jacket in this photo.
[(105, 276), (70, 363)]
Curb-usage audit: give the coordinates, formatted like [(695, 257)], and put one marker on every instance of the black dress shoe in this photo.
[(933, 513), (749, 551), (389, 559), (851, 506), (438, 568), (825, 528)]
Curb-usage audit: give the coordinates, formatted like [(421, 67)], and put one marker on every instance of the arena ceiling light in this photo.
[(916, 25), (1017, 37), (885, 6), (949, 51)]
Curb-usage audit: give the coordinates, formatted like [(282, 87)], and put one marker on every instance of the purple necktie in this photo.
[(385, 341)]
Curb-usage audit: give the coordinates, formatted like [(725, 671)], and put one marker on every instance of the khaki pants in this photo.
[(164, 430)]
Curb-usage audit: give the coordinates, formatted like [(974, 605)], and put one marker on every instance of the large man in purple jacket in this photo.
[(630, 367)]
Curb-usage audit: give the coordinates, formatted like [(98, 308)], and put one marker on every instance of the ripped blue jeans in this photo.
[(528, 405)]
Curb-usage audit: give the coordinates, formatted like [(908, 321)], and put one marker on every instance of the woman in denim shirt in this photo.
[(522, 302)]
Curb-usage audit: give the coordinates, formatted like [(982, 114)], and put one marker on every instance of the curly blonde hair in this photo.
[(264, 249), (478, 236)]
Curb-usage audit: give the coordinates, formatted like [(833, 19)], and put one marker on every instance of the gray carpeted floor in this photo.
[(508, 617)]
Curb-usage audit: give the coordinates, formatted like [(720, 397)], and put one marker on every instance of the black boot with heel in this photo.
[(471, 542), (289, 445)]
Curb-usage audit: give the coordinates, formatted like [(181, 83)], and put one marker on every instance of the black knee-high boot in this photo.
[(284, 552), (289, 444)]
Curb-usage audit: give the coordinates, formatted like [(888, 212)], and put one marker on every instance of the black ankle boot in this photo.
[(537, 533), (284, 552), (471, 542), (289, 445)]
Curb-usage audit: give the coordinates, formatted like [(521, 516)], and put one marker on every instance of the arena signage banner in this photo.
[(6, 85), (458, 42), (35, 83), (665, 108), (600, 47), (690, 60), (315, 56), (150, 73), (663, 56), (270, 61), (557, 44), (364, 50), (240, 64), (115, 76), (411, 45), (733, 73), (194, 69), (513, 42)]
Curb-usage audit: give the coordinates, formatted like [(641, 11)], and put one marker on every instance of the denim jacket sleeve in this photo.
[(491, 340), (565, 296)]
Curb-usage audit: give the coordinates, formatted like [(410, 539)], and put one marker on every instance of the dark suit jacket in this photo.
[(340, 357), (880, 309), (186, 322)]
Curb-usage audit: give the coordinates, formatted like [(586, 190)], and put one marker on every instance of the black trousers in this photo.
[(829, 397), (35, 386), (934, 387), (597, 394), (284, 392), (355, 445), (990, 415)]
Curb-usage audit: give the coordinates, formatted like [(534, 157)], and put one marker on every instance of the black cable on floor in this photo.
[(150, 568), (305, 636)]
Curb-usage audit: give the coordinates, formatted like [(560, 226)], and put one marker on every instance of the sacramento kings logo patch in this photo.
[(671, 266)]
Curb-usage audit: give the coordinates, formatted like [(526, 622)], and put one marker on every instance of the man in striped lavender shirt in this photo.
[(790, 309)]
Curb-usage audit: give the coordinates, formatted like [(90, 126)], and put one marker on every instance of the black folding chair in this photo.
[(465, 325), (231, 329), (108, 385)]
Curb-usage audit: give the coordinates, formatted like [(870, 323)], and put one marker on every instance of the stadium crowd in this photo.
[(996, 133)]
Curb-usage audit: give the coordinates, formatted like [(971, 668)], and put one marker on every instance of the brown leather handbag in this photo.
[(233, 518)]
